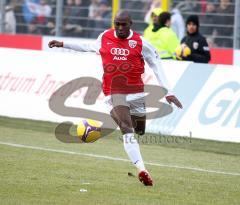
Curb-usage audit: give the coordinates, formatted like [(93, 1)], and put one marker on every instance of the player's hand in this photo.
[(55, 43), (172, 99)]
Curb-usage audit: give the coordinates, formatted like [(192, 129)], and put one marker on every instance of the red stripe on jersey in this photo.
[(123, 64)]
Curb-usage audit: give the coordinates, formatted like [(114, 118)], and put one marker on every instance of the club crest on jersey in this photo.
[(195, 45), (132, 43)]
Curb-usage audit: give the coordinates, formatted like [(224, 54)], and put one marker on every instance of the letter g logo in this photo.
[(206, 115)]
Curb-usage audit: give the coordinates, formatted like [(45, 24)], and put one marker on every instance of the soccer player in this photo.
[(123, 53)]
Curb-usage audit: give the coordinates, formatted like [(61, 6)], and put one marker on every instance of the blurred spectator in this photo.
[(203, 5), (226, 18), (162, 37), (209, 19), (20, 22), (153, 21), (66, 14), (9, 20), (177, 22), (43, 15), (75, 18), (217, 27), (189, 6), (92, 14), (28, 16), (103, 18), (208, 22), (50, 25), (43, 11), (211, 42), (92, 9), (196, 42), (155, 4), (36, 14)]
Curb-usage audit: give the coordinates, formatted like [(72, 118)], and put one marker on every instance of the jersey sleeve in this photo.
[(152, 58), (86, 46)]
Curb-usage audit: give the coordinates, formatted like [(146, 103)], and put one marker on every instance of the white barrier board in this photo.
[(210, 94)]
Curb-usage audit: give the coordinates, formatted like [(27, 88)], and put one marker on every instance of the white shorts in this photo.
[(135, 102)]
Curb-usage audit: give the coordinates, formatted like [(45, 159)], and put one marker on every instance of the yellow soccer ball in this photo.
[(182, 51), (89, 130)]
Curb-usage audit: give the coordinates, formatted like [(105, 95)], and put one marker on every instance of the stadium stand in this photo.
[(89, 18)]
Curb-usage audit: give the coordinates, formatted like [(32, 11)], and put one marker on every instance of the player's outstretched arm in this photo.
[(55, 43), (81, 46)]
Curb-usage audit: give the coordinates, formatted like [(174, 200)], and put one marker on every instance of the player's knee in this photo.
[(126, 128)]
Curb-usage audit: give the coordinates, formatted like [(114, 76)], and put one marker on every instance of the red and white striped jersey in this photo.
[(123, 61)]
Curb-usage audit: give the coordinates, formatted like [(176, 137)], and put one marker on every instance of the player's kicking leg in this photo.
[(139, 124), (121, 115)]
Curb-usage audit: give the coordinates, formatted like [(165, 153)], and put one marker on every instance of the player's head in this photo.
[(122, 24), (192, 24)]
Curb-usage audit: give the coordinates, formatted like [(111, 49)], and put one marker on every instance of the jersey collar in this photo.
[(130, 35)]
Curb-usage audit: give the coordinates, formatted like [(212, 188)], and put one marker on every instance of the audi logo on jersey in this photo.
[(119, 53)]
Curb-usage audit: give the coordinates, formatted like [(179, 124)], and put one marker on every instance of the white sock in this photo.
[(131, 147)]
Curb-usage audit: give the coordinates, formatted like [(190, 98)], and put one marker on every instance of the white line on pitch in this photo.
[(118, 159)]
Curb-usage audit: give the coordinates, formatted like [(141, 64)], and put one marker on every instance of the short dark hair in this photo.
[(164, 17)]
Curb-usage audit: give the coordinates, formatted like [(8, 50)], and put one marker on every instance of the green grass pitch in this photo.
[(36, 168)]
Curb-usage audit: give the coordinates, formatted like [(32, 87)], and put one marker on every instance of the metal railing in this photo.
[(75, 20), (217, 19)]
